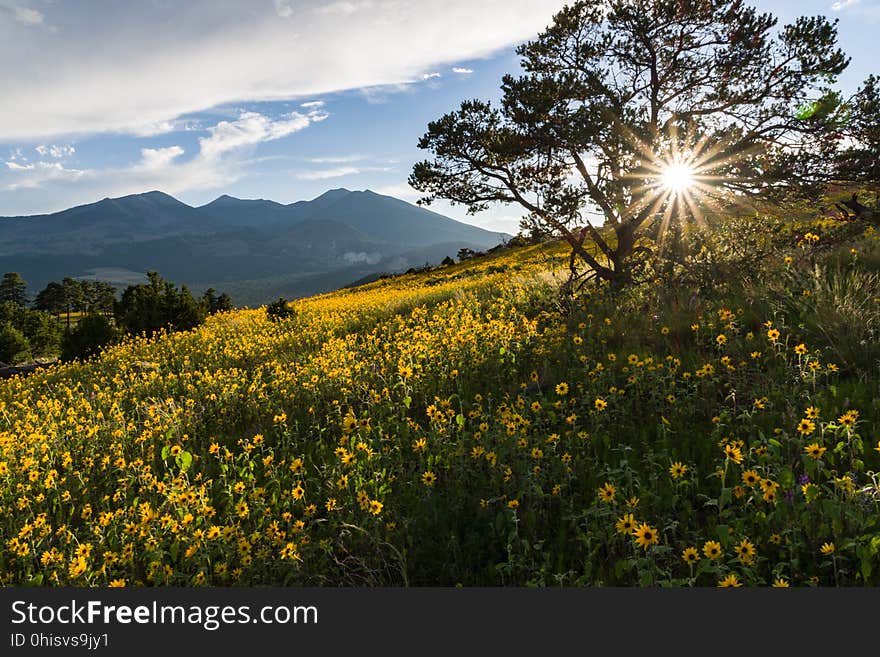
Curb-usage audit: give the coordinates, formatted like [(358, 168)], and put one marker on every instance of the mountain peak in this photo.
[(225, 198), (154, 196), (333, 194)]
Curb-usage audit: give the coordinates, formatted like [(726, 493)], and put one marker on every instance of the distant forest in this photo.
[(74, 318)]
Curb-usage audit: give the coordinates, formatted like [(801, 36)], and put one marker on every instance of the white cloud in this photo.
[(37, 174), (378, 94), (313, 104), (27, 16), (840, 5), (402, 191), (227, 52), (462, 71), (361, 257), (159, 158), (251, 128), (345, 8), (57, 152), (326, 174), (428, 76), (283, 8), (219, 162), (337, 159), (152, 129)]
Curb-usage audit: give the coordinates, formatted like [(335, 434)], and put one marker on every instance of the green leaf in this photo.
[(786, 478), (184, 460), (775, 442), (807, 110), (407, 401), (165, 452)]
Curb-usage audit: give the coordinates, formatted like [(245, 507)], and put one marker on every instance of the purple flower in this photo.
[(803, 479)]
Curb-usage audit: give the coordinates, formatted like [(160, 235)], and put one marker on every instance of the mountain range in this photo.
[(256, 250)]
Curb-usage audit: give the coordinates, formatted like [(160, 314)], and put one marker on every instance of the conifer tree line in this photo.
[(75, 318)]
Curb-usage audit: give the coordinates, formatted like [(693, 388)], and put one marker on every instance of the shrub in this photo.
[(279, 310), (14, 346), (91, 334)]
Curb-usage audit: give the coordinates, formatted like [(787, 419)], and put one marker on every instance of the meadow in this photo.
[(467, 425)]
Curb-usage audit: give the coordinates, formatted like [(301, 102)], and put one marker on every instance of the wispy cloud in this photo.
[(57, 152), (462, 71), (428, 76), (219, 161), (25, 15), (252, 128), (313, 104), (840, 5), (344, 8), (337, 159), (339, 172), (37, 174), (54, 84), (157, 159), (326, 174), (283, 8), (401, 191), (151, 129)]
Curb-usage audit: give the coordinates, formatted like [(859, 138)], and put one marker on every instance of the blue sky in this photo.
[(279, 99)]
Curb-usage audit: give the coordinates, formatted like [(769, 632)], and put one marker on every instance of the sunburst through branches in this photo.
[(681, 176), (678, 177)]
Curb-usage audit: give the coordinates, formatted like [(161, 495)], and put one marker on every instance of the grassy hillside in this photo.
[(460, 426)]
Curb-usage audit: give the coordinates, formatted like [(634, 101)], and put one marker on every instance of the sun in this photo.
[(677, 177)]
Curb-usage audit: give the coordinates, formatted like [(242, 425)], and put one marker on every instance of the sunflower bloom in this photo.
[(690, 555), (730, 581), (607, 492), (805, 427), (626, 524), (733, 453), (645, 535), (745, 551), (712, 550), (750, 478)]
